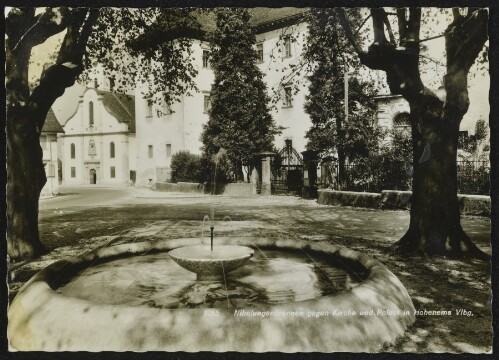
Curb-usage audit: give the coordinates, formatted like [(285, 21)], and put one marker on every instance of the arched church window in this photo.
[(91, 113), (111, 150)]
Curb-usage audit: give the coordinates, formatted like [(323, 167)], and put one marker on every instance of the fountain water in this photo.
[(211, 263)]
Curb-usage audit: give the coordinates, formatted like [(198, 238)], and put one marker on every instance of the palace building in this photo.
[(117, 139)]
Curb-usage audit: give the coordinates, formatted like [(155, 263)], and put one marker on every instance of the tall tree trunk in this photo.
[(25, 180), (26, 111), (435, 226)]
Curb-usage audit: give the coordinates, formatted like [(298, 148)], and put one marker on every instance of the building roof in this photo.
[(51, 124), (262, 19), (266, 19), (121, 106)]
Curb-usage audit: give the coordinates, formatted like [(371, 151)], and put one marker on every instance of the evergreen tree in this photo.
[(328, 52), (240, 120)]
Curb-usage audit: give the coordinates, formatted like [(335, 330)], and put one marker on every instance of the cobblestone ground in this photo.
[(433, 283)]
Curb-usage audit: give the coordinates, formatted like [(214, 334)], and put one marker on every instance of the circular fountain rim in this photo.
[(83, 325)]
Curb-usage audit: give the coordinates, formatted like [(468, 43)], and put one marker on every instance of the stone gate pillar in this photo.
[(310, 163), (266, 172)]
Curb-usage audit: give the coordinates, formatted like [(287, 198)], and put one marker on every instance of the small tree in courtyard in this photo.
[(240, 120), (329, 54)]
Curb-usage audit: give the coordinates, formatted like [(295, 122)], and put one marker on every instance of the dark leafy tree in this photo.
[(330, 55), (435, 227), (90, 35), (186, 167), (240, 120), (148, 46)]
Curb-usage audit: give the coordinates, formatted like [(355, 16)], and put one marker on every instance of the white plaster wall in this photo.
[(294, 119), (194, 115), (51, 187), (388, 108), (391, 106), (132, 154), (182, 129)]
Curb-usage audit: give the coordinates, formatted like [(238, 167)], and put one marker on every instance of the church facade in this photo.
[(98, 146)]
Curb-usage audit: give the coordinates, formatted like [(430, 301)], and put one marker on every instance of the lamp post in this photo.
[(341, 132), (346, 78)]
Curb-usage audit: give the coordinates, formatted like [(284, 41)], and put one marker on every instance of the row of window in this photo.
[(167, 110), (286, 52), (150, 151), (287, 102), (206, 64), (92, 150), (112, 171)]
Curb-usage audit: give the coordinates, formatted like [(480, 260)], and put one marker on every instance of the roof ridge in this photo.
[(121, 103)]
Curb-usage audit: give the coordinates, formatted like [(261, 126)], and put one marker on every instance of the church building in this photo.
[(98, 146)]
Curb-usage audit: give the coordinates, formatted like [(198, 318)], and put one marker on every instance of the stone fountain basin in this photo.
[(211, 264), (41, 319)]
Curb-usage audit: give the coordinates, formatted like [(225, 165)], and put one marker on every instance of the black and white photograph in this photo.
[(249, 179)]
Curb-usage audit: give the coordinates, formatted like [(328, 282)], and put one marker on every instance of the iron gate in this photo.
[(287, 171)]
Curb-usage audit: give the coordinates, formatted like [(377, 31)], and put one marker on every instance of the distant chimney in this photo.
[(96, 83), (111, 84)]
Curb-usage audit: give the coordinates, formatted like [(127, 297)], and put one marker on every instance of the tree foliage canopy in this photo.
[(149, 46)]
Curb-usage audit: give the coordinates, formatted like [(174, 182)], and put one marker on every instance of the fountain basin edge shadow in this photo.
[(42, 319)]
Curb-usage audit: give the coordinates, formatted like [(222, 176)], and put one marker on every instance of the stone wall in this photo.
[(179, 187), (393, 199), (234, 189), (348, 198)]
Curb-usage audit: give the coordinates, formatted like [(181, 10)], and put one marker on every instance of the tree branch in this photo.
[(402, 22), (71, 38), (457, 15), (464, 39), (17, 22), (345, 23), (86, 30), (389, 28), (413, 27), (157, 37), (378, 15), (47, 24), (69, 64)]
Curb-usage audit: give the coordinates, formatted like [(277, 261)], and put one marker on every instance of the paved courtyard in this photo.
[(86, 218)]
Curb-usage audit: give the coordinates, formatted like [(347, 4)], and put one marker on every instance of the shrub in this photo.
[(186, 167)]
